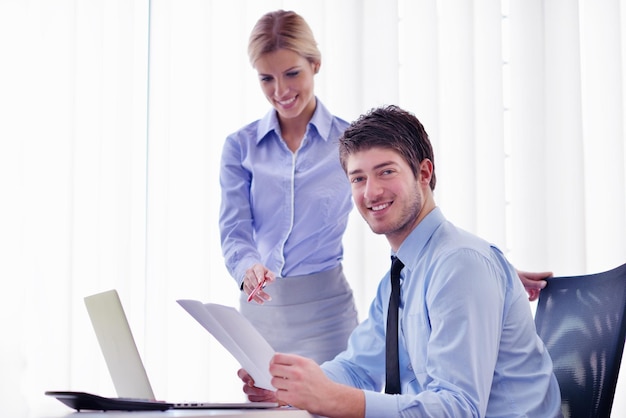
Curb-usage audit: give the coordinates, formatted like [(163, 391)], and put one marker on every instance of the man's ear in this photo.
[(425, 171)]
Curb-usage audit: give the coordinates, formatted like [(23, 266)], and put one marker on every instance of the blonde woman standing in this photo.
[(285, 200)]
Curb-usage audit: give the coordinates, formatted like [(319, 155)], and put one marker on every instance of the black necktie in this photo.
[(392, 384)]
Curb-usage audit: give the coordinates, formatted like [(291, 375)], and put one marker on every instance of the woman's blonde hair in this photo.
[(282, 29)]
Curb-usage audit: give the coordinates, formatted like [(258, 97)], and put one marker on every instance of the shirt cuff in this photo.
[(380, 405), (240, 271)]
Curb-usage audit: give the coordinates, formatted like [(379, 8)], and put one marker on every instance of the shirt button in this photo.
[(410, 367)]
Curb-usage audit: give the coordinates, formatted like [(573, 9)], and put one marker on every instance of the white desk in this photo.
[(187, 413)]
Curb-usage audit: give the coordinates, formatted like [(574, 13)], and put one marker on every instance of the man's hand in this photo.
[(300, 382), (533, 282), (254, 393)]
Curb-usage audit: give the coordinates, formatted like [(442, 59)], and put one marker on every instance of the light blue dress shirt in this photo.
[(286, 210), (468, 345)]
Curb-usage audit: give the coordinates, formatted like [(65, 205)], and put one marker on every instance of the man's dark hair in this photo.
[(392, 128)]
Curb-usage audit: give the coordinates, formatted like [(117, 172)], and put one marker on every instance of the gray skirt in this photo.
[(310, 315)]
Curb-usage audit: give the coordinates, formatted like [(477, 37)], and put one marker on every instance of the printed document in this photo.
[(237, 335)]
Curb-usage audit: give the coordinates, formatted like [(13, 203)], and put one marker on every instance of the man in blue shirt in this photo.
[(467, 340)]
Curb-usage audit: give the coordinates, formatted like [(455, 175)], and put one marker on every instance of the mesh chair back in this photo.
[(582, 323)]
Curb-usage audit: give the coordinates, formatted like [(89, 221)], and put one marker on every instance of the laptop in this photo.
[(126, 368)]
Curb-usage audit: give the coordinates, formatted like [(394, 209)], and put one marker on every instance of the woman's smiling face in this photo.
[(286, 79)]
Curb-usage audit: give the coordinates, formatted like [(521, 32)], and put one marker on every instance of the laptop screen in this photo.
[(118, 346)]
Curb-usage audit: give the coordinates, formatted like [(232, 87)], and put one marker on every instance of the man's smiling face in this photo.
[(387, 194)]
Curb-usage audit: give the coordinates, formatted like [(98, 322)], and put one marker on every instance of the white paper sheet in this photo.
[(237, 335)]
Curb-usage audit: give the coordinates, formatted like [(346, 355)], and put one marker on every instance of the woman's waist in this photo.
[(305, 288)]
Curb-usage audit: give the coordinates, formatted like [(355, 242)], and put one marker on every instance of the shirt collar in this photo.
[(321, 121), (412, 247)]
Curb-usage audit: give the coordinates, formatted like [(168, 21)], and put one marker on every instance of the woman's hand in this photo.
[(255, 275)]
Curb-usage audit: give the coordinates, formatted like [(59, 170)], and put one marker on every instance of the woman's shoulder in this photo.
[(247, 131), (324, 112), (254, 131), (341, 123), (323, 117)]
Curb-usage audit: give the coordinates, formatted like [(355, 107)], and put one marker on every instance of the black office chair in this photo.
[(582, 321)]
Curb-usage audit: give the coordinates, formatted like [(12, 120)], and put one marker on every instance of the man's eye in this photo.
[(356, 179)]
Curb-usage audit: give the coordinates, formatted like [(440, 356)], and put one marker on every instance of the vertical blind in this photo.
[(112, 118)]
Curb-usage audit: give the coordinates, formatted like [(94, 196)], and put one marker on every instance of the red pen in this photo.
[(258, 287)]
